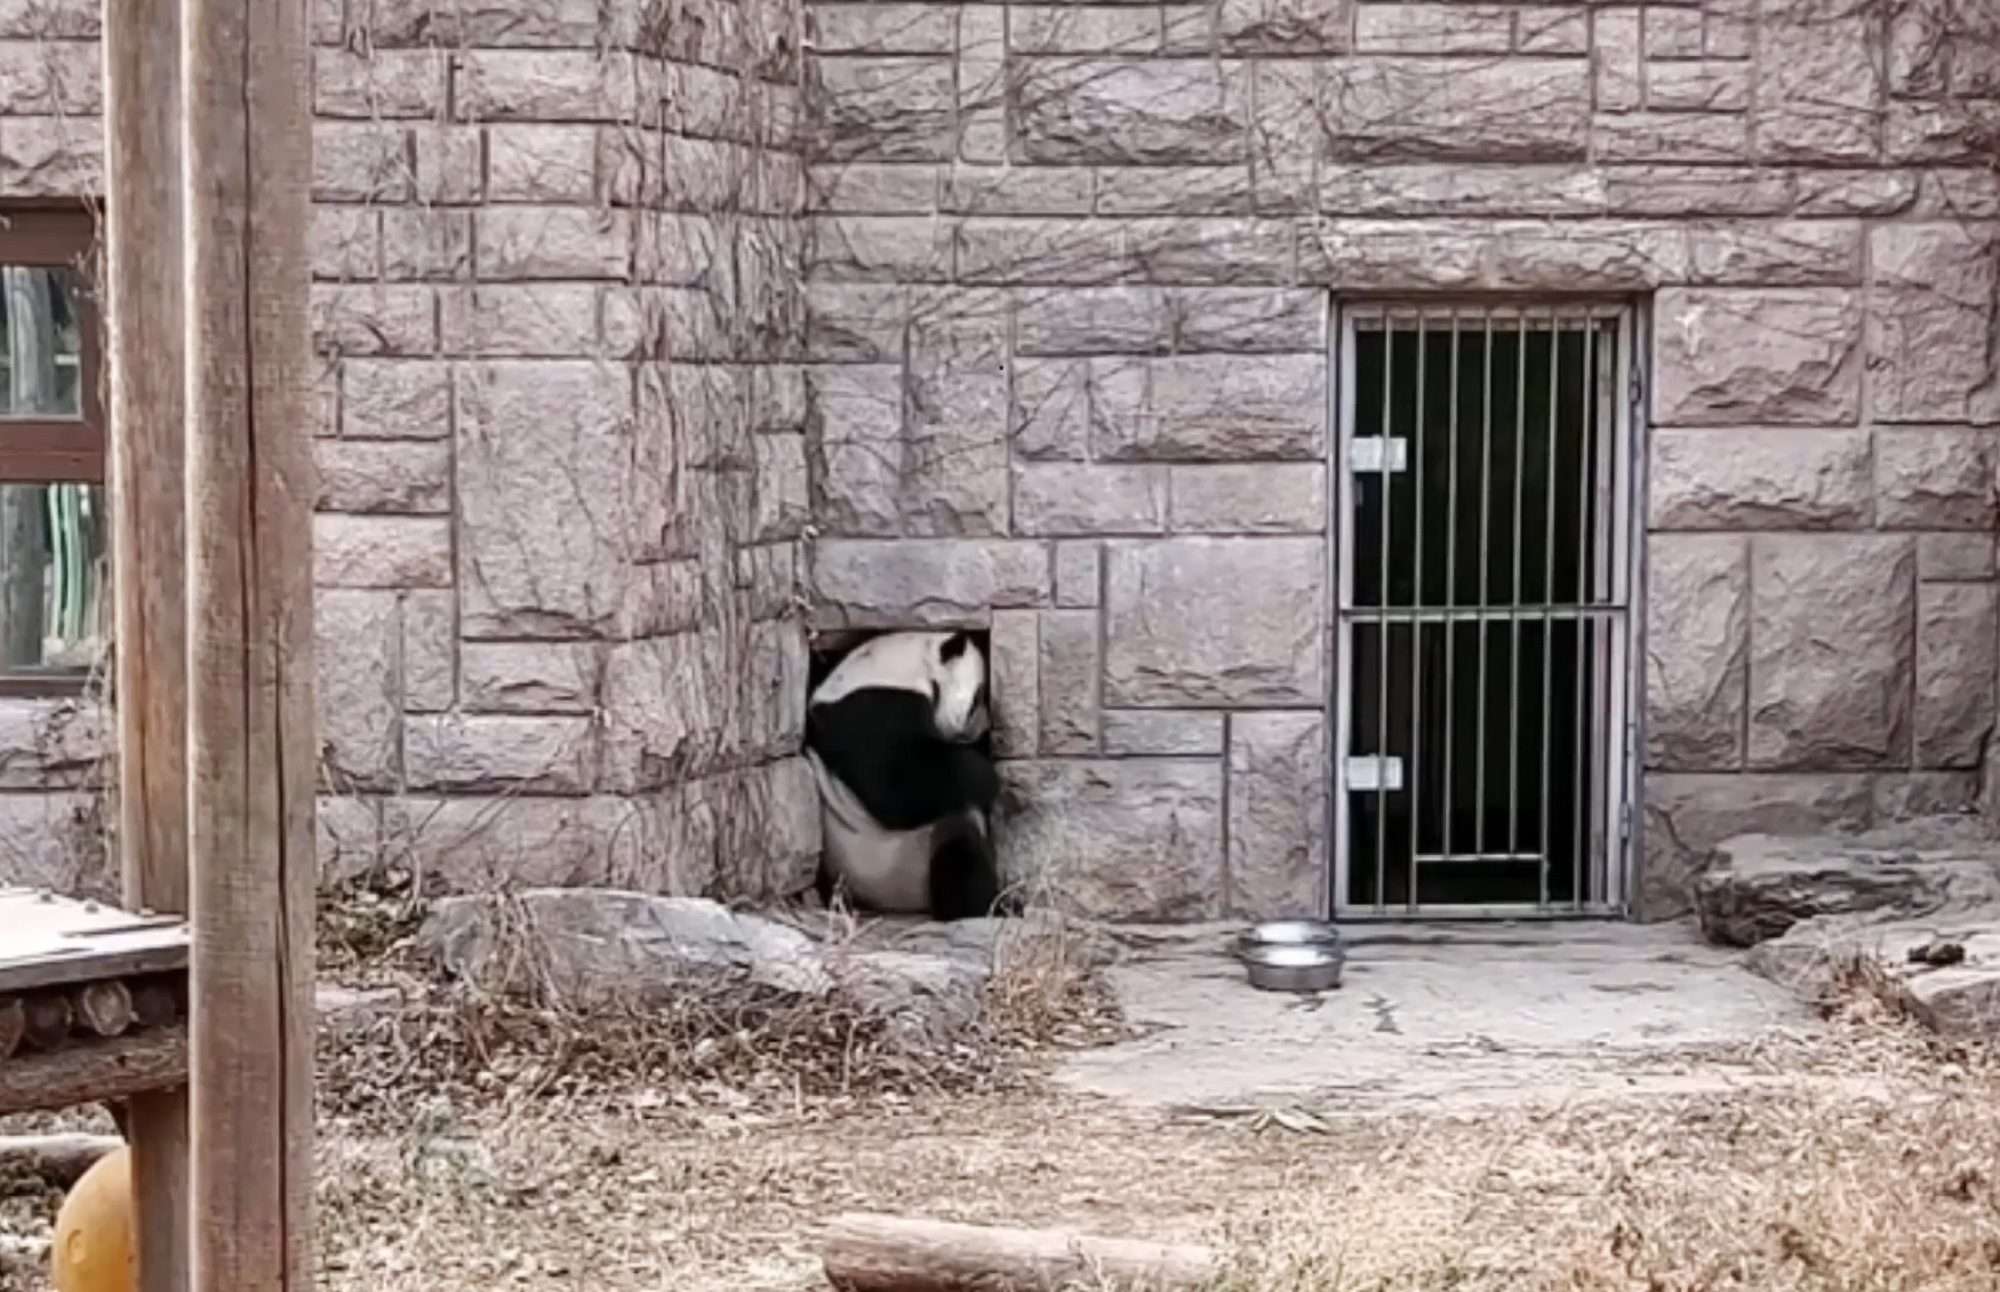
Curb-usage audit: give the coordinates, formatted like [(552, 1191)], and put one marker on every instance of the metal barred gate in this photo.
[(1485, 554)]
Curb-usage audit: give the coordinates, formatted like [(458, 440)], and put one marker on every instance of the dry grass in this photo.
[(480, 1141)]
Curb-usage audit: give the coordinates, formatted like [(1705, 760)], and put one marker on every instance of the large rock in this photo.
[(1214, 621), (1760, 886), (1688, 813), (1734, 358), (1832, 651)]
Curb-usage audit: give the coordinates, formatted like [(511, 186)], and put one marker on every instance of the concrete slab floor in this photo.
[(1443, 1017)]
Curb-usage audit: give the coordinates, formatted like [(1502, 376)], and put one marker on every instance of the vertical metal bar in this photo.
[(1411, 793), (1606, 545), (1582, 782), (1346, 331), (1549, 585), (1382, 623), (1485, 590), (1450, 582), (1514, 619)]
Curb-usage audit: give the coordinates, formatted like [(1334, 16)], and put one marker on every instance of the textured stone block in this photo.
[(1051, 414), (1690, 137), (1930, 313), (1258, 27), (426, 245), (1078, 573), (533, 438), (1209, 408), (1935, 478), (378, 476), (1782, 355), (925, 582), (1955, 558), (51, 78), (956, 477), (1070, 681), (521, 242), (1082, 498), (1831, 656), (1174, 190), (1819, 97), (52, 744), (1014, 679), (1778, 253), (530, 677), (883, 109), (1440, 189), (881, 29), (1958, 634), (1375, 254), (1414, 109), (881, 248), (348, 833), (1435, 29), (1760, 478), (1617, 44), (1698, 87), (487, 844), (1212, 252), (1669, 190), (1015, 190), (355, 653), (1162, 731), (381, 551), (1083, 29), (528, 321), (395, 399), (1261, 498), (381, 84), (784, 495), (374, 319), (1214, 621), (1277, 815), (1116, 839), (430, 650), (1081, 112), (1095, 320), (667, 703), (535, 162), (359, 162), (859, 412), (346, 243), (1697, 649), (544, 85)]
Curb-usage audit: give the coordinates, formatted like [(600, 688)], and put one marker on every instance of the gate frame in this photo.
[(1627, 862)]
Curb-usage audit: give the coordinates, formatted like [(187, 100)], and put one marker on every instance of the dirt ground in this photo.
[(1858, 1155)]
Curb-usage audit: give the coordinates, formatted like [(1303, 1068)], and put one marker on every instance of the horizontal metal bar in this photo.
[(1492, 912), (1478, 614), (1428, 857), (1567, 316)]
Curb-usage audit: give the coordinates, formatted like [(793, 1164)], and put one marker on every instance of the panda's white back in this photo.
[(903, 659)]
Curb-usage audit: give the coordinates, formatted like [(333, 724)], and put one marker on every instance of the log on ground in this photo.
[(872, 1253)]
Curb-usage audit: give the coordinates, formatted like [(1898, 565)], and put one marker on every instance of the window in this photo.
[(55, 608)]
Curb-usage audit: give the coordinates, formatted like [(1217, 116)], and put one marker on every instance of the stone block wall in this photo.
[(1070, 272), (557, 249)]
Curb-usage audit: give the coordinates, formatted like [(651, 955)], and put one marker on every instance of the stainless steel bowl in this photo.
[(1288, 933), (1298, 967)]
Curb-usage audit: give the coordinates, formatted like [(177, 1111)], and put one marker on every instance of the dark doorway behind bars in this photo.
[(1482, 739)]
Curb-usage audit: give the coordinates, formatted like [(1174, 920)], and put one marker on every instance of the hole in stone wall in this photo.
[(829, 648)]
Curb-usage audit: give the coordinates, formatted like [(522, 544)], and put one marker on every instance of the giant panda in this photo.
[(906, 796)]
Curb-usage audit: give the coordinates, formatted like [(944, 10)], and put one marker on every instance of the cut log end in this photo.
[(49, 1018), (871, 1253), (13, 1025), (105, 1008)]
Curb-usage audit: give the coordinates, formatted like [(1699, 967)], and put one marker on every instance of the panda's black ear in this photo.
[(954, 646)]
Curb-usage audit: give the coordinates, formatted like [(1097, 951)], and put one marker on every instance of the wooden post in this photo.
[(142, 57), (252, 745)]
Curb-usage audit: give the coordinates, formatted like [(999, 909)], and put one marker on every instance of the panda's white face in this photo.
[(959, 678)]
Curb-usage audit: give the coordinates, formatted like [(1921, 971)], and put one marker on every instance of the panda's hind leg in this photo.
[(964, 882)]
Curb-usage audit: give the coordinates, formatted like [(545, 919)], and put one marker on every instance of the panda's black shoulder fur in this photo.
[(882, 743)]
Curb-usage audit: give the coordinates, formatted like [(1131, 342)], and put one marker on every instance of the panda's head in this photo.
[(947, 667)]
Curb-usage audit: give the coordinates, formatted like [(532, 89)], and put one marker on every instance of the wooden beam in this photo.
[(146, 361), (93, 1071), (869, 1253), (252, 744)]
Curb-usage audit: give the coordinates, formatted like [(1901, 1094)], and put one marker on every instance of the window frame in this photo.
[(58, 450)]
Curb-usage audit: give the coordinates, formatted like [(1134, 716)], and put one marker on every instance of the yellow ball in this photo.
[(94, 1249)]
